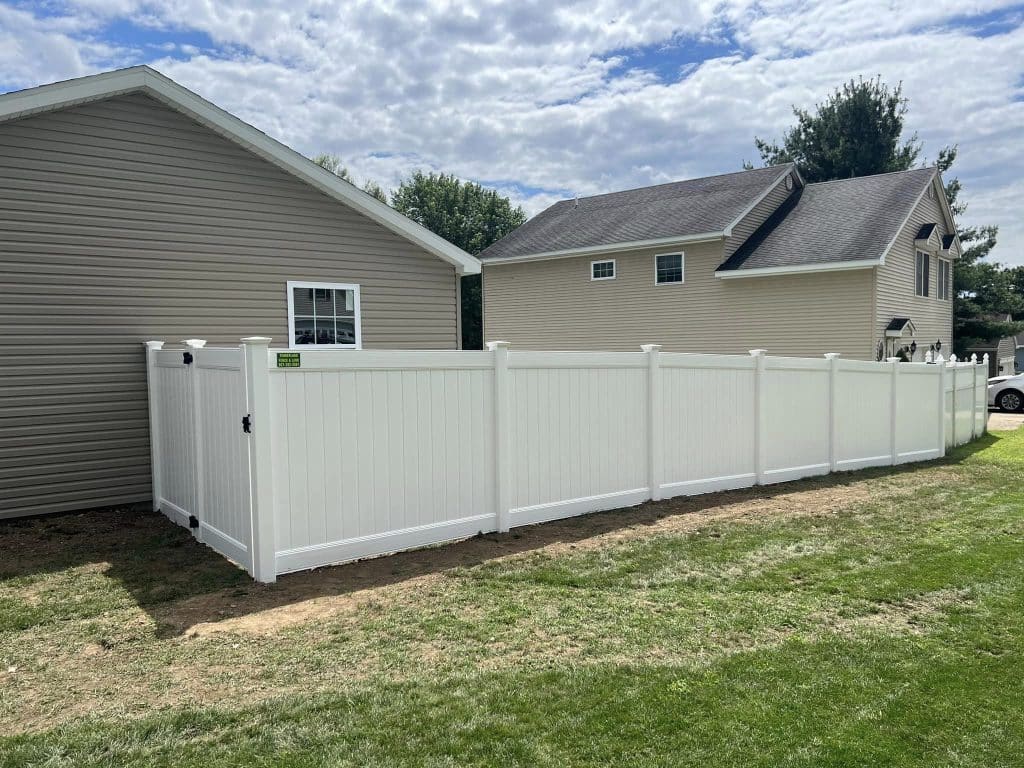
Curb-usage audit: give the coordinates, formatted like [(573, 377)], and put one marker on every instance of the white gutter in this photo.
[(798, 269), (594, 250)]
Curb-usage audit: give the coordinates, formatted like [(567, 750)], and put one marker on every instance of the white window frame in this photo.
[(682, 267), (354, 287), (944, 288), (927, 278), (615, 270)]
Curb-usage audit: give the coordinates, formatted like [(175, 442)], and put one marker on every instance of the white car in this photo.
[(1007, 392)]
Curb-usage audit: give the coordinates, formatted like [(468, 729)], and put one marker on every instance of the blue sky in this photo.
[(546, 99)]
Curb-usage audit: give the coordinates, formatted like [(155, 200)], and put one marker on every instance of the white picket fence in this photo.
[(360, 453)]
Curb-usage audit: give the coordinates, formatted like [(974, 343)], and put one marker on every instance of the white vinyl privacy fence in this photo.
[(285, 460)]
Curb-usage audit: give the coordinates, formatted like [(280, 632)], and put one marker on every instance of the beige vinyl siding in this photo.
[(932, 316), (757, 216), (124, 220), (553, 304)]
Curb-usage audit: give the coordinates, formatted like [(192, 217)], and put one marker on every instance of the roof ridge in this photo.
[(678, 181), (932, 168)]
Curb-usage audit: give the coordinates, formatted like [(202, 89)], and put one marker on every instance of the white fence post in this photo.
[(952, 401), (156, 466), (760, 413), (833, 420), (261, 481), (984, 397), (942, 407), (654, 412), (198, 503), (502, 424), (893, 411), (974, 395)]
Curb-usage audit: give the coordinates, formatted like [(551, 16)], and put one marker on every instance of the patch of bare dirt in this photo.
[(310, 596)]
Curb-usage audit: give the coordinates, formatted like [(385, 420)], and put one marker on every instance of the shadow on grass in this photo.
[(181, 583)]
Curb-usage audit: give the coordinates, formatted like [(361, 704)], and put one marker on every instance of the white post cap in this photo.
[(493, 345), (832, 355), (257, 340), (892, 359), (194, 343), (758, 352), (153, 344), (650, 347)]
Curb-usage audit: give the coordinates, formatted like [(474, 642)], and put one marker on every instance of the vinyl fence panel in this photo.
[(864, 415), (706, 420), (795, 415), (577, 433), (288, 460), (376, 454)]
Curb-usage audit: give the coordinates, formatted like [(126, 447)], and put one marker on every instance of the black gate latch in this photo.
[(193, 521), (186, 358), (247, 423)]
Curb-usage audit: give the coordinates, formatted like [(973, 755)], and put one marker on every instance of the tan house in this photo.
[(132, 209), (754, 259)]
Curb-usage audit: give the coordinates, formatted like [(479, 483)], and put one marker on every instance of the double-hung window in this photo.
[(668, 268), (324, 315), (922, 273), (945, 288)]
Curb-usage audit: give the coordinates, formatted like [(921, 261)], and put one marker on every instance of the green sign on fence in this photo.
[(288, 360)]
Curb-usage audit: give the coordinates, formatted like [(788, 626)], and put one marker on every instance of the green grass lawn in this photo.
[(866, 619)]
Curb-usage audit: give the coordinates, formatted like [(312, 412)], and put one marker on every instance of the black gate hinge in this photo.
[(186, 358), (247, 423), (193, 521)]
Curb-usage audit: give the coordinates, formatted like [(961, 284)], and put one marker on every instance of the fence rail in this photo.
[(359, 453)]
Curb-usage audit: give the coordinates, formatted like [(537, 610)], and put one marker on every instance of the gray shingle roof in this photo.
[(833, 221), (679, 209)]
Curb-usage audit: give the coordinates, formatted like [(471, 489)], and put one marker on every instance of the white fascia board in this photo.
[(596, 250), (760, 198), (151, 82), (798, 269)]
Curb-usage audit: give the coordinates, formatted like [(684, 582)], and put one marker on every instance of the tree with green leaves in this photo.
[(858, 131), (333, 164), (465, 214)]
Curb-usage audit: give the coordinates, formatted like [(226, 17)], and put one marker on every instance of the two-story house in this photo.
[(754, 259)]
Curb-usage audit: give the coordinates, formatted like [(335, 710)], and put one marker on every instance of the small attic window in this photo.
[(602, 270), (931, 191)]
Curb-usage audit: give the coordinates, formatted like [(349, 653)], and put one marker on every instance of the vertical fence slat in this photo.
[(156, 459), (261, 494), (655, 411), (195, 401), (760, 414), (894, 414), (502, 420), (833, 409)]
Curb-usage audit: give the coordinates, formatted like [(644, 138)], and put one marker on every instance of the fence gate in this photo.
[(200, 446)]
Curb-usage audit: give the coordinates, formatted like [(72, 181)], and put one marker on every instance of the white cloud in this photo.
[(543, 96)]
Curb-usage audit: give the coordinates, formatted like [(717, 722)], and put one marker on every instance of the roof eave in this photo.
[(597, 250), (798, 269), (147, 80)]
